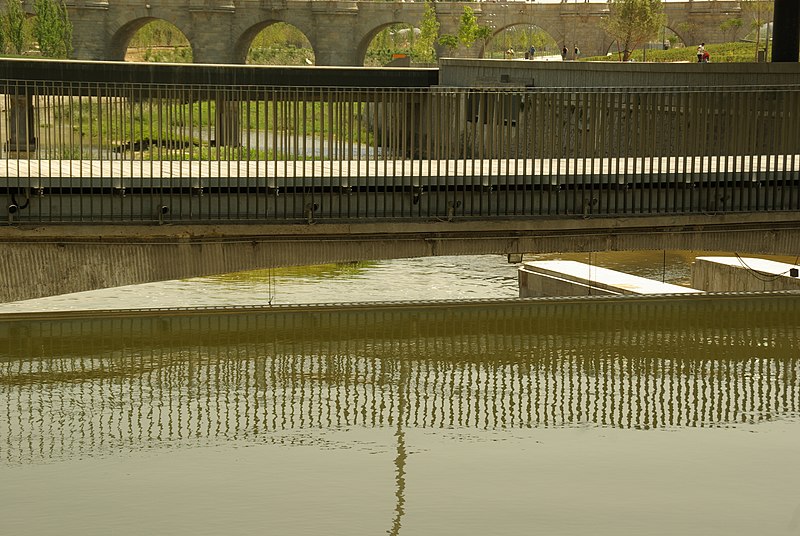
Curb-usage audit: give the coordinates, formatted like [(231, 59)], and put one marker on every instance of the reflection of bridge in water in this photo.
[(88, 386)]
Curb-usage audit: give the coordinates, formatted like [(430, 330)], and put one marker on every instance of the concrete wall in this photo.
[(43, 261), (572, 278), (718, 277), (534, 284), (520, 73)]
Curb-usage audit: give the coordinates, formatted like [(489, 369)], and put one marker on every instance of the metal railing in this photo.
[(107, 152)]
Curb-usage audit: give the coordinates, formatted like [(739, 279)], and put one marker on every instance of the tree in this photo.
[(761, 13), (13, 26), (52, 28), (632, 22), (422, 50), (484, 33), (732, 25), (468, 27), (449, 41)]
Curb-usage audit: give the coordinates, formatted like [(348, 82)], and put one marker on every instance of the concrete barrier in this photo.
[(572, 278), (744, 274)]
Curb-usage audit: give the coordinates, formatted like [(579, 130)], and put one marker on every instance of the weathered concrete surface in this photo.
[(573, 278), (743, 274), (48, 260), (455, 72), (221, 31)]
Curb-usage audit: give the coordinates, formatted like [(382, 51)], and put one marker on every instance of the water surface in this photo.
[(602, 417), (607, 417)]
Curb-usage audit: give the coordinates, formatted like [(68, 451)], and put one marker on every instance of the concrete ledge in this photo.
[(743, 274), (49, 260), (520, 73), (572, 278)]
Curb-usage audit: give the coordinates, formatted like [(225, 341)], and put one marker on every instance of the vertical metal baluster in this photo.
[(793, 176), (641, 172), (719, 142), (62, 209), (565, 148), (534, 154), (596, 137), (757, 105), (583, 152), (553, 133)]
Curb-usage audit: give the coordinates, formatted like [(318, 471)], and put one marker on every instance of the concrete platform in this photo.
[(572, 278), (744, 274)]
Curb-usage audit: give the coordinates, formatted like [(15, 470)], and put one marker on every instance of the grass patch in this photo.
[(736, 52)]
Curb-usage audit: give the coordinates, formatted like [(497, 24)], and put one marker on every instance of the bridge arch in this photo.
[(499, 32), (122, 37), (245, 41), (680, 36), (366, 40)]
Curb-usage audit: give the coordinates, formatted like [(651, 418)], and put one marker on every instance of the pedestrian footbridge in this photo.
[(116, 182)]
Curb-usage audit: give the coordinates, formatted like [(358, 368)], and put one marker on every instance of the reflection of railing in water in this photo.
[(247, 376)]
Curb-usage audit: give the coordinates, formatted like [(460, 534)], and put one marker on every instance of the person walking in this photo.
[(564, 53), (577, 52), (531, 52)]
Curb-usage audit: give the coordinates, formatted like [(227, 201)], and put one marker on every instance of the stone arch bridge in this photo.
[(221, 31)]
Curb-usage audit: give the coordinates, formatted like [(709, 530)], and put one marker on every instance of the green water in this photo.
[(600, 417)]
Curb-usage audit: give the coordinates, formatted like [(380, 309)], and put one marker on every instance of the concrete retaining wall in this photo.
[(58, 259), (533, 284), (572, 278), (520, 73), (714, 275)]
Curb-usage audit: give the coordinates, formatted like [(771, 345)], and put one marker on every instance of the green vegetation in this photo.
[(317, 271), (761, 13), (48, 34), (159, 41), (468, 32), (520, 38), (158, 33), (422, 50), (468, 28), (15, 27), (720, 53), (52, 28), (732, 27), (448, 41), (394, 39), (182, 130), (280, 44), (633, 22)]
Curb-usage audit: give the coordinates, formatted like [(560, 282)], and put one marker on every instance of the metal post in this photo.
[(786, 31)]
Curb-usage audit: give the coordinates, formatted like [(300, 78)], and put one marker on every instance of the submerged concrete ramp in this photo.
[(744, 274), (572, 278)]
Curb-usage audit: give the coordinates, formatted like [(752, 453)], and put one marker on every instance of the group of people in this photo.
[(702, 54), (564, 53), (531, 53)]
